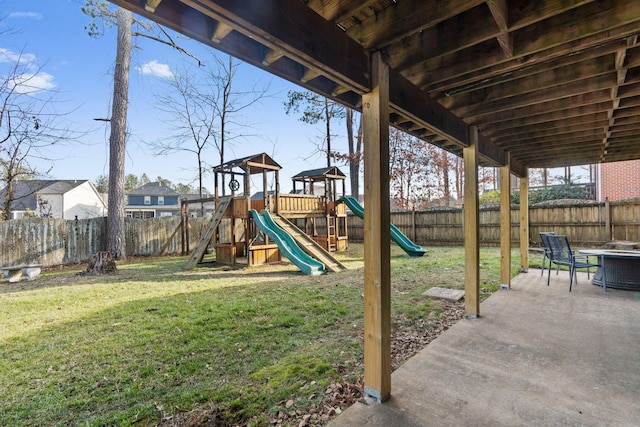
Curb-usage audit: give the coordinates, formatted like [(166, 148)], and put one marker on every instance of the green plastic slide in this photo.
[(286, 244), (400, 238)]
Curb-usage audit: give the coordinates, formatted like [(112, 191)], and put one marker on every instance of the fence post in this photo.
[(608, 235), (413, 224)]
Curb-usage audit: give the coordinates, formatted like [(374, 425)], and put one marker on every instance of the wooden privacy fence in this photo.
[(586, 224), (50, 241), (55, 241)]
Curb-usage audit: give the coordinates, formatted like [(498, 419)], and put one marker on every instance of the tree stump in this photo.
[(101, 263)]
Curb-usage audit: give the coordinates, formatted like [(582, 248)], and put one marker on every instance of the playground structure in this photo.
[(259, 230), (322, 217), (306, 225)]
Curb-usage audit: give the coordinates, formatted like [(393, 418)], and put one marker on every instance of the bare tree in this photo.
[(316, 109), (205, 107), (190, 121), (408, 170), (442, 164), (354, 157), (29, 125), (459, 176)]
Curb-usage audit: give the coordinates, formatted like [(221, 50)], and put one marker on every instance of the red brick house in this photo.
[(619, 180)]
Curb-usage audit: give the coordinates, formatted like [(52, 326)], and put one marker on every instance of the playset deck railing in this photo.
[(301, 205)]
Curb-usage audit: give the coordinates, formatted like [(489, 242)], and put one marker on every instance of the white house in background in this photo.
[(66, 199)]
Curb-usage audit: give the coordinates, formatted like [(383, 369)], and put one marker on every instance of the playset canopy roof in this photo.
[(256, 163), (320, 174)]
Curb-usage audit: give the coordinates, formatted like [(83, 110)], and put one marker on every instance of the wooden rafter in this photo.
[(622, 64), (220, 32), (272, 56), (405, 19), (151, 5), (339, 11), (500, 14)]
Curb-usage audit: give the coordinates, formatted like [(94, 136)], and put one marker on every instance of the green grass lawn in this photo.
[(154, 339)]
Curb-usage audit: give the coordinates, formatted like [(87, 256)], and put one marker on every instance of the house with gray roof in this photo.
[(61, 198), (152, 200), (156, 199)]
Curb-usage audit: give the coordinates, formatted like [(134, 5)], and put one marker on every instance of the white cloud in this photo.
[(31, 15), (26, 77), (29, 83), (154, 68), (12, 57)]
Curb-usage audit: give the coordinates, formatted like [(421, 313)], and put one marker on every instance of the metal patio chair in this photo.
[(561, 254), (546, 254)]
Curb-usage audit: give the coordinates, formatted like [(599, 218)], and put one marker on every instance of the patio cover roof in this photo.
[(552, 82)]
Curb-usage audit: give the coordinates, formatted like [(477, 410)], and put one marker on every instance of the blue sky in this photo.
[(51, 34)]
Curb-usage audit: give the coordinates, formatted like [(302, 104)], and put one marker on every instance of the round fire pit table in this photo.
[(618, 269)]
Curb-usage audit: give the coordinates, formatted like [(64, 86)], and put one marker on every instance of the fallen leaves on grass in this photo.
[(407, 340)]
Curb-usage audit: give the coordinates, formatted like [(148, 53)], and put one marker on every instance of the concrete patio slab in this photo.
[(537, 356)]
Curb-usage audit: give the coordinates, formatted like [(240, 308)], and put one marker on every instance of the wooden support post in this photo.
[(471, 227), (377, 271), (505, 224), (327, 199), (183, 228), (277, 189), (247, 187), (265, 192), (216, 235), (524, 222)]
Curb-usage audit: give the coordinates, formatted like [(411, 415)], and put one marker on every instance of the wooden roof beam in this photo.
[(621, 68), (500, 14), (551, 78), (534, 44), (271, 56), (343, 60), (524, 128), (467, 30), (512, 125), (585, 87), (151, 5), (543, 20), (530, 109), (554, 132), (220, 32), (556, 138), (308, 75), (404, 19), (338, 11)]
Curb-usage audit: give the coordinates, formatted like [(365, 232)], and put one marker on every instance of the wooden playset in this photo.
[(257, 229)]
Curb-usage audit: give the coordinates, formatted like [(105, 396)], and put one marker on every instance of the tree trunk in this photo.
[(445, 177), (8, 200), (354, 154), (117, 140), (353, 174), (101, 263)]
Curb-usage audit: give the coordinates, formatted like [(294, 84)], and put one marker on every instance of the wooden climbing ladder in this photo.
[(198, 253)]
